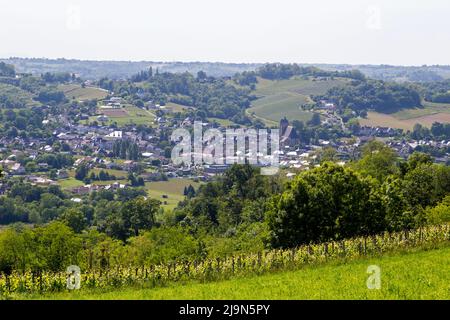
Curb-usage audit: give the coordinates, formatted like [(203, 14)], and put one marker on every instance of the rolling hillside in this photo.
[(15, 97), (406, 119), (284, 98), (76, 92)]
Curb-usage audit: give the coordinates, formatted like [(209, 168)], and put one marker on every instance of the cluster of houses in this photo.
[(86, 189), (377, 131), (405, 147), (100, 141)]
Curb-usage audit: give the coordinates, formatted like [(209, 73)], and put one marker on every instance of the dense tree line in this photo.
[(214, 96), (7, 70), (240, 211), (373, 95), (438, 91), (312, 131), (125, 149), (115, 213), (102, 176), (14, 97), (279, 71), (438, 131), (60, 77), (24, 123), (50, 95), (374, 194), (246, 78)]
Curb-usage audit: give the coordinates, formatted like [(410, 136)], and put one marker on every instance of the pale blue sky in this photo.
[(401, 32)]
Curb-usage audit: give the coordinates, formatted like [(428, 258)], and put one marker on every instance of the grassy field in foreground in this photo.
[(416, 275)]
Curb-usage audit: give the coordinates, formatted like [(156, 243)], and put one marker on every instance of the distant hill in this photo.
[(125, 69), (395, 73), (122, 69)]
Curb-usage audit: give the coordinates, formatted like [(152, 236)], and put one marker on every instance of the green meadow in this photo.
[(172, 190), (418, 274), (76, 92)]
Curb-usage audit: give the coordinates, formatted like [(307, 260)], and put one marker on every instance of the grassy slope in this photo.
[(283, 98), (416, 275), (222, 122), (407, 118), (175, 107), (76, 92), (173, 188), (134, 115), (429, 108)]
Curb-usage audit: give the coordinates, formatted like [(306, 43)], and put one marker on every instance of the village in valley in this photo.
[(248, 151), (114, 145)]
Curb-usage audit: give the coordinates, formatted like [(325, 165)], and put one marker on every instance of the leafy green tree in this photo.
[(10, 242), (315, 120), (189, 191), (7, 70), (400, 215), (414, 160), (378, 161), (81, 172), (103, 176), (163, 245), (31, 167), (327, 154), (326, 203), (439, 214), (58, 246), (139, 214), (75, 219)]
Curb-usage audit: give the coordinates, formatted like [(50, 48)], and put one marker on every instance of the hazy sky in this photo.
[(401, 32)]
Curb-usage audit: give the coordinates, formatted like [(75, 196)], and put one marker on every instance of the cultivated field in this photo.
[(297, 85), (127, 115), (222, 122), (70, 183), (421, 274), (406, 119), (284, 98), (276, 107), (117, 113), (76, 92), (175, 107), (392, 120), (429, 108)]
